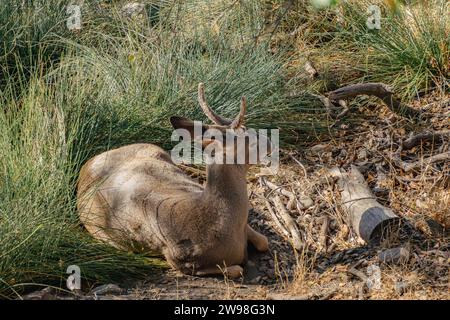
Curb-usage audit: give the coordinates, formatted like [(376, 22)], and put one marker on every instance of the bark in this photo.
[(372, 221), (379, 90), (289, 222), (424, 136)]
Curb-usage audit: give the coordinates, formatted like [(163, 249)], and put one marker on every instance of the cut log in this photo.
[(379, 90), (372, 221)]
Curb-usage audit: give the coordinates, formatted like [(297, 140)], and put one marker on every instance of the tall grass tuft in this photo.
[(115, 82), (411, 51), (41, 142)]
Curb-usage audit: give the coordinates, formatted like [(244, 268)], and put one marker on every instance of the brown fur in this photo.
[(136, 198)]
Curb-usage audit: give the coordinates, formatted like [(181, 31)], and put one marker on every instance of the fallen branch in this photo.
[(303, 203), (284, 192), (345, 109), (289, 222), (357, 273), (413, 141), (284, 232), (331, 108), (379, 90), (418, 164), (326, 103), (371, 220), (324, 232)]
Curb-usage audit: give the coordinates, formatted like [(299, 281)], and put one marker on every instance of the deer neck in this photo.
[(227, 183)]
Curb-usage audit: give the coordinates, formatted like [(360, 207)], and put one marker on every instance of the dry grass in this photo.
[(420, 197)]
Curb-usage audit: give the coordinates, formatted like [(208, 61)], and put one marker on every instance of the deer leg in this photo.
[(257, 239), (232, 272)]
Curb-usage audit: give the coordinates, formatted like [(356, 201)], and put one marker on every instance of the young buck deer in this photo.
[(135, 198)]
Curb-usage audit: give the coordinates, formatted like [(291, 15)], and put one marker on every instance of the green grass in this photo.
[(411, 51), (70, 96), (41, 155), (25, 32)]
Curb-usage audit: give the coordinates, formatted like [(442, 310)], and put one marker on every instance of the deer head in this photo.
[(227, 140)]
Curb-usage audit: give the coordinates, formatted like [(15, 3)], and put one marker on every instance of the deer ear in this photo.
[(181, 123), (187, 124)]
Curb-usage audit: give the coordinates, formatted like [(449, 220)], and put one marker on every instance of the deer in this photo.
[(136, 198)]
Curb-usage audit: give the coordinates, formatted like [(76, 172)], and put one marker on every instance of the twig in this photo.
[(276, 220), (284, 192), (324, 232), (300, 164), (289, 222)]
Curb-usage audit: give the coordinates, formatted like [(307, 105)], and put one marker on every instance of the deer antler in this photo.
[(217, 119), (208, 111), (239, 120)]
